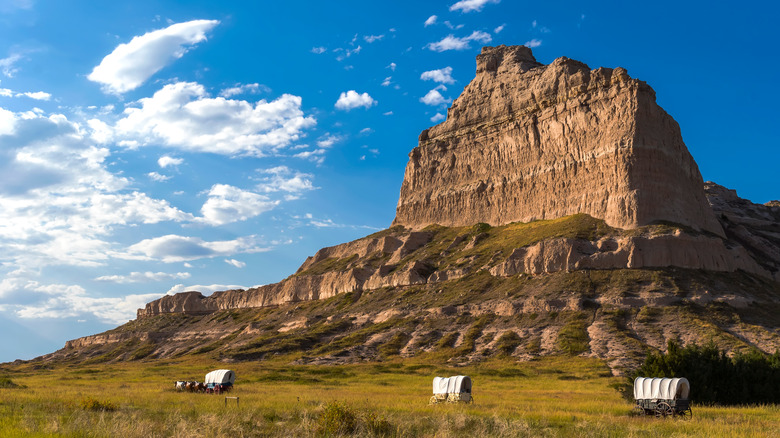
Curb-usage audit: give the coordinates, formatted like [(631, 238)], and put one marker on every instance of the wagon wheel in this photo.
[(686, 414), (663, 409), (638, 411)]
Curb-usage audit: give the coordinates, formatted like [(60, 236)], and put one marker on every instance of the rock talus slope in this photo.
[(526, 141)]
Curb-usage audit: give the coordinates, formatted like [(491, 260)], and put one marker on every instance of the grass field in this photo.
[(552, 396)]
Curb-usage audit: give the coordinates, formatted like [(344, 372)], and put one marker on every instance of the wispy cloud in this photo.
[(533, 43), (236, 263), (471, 5), (244, 89), (431, 20), (318, 50), (143, 277), (8, 65), (173, 248), (131, 64), (450, 42), (372, 38)]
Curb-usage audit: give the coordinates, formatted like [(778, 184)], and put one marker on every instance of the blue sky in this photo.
[(151, 147)]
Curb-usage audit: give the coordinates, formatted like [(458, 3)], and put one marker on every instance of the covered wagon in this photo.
[(219, 380), (661, 396), (452, 389)]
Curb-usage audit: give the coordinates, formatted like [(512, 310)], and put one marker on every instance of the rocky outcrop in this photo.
[(755, 227), (525, 141), (678, 250)]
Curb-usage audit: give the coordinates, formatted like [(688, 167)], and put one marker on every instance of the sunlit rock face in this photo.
[(527, 141)]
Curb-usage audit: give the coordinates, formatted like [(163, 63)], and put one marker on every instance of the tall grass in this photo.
[(554, 396)]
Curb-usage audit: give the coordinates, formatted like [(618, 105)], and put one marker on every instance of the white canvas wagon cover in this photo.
[(220, 377), (661, 388), (451, 385)]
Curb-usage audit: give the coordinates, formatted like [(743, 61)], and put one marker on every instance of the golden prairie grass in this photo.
[(553, 396)]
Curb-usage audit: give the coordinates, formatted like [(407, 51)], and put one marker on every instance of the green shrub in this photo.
[(507, 343), (745, 378), (573, 337), (7, 383), (394, 344), (336, 419), (448, 340), (91, 404)]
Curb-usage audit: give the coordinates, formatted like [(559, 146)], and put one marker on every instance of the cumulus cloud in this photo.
[(236, 263), (158, 177), (471, 5), (143, 277), (183, 116), (31, 299), (166, 161), (228, 204), (442, 76), (351, 99), (131, 64), (438, 117), (434, 98), (59, 200), (533, 43), (450, 42), (284, 179), (328, 140), (173, 248), (431, 20)]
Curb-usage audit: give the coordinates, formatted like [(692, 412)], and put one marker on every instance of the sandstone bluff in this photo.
[(549, 190)]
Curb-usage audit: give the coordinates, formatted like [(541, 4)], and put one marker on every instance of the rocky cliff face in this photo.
[(525, 141)]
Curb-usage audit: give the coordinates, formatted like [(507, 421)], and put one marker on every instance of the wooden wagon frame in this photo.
[(662, 397)]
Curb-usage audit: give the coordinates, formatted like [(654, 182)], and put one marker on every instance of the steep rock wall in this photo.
[(526, 141)]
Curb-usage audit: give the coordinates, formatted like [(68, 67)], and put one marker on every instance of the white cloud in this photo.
[(236, 263), (316, 155), (388, 80), (328, 140), (533, 43), (59, 200), (131, 64), (318, 50), (392, 66), (205, 289), (351, 99), (499, 28), (438, 117), (182, 115), (244, 89), (158, 177), (372, 38), (431, 20), (450, 42), (143, 277), (173, 248), (442, 75), (166, 161), (471, 5), (434, 98), (7, 65), (284, 179), (37, 95), (228, 204)]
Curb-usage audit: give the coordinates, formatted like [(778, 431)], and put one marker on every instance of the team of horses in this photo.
[(201, 387)]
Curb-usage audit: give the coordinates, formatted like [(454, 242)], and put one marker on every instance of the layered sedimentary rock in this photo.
[(523, 142), (527, 141)]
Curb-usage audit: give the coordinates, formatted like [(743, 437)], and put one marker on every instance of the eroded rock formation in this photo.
[(525, 141)]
